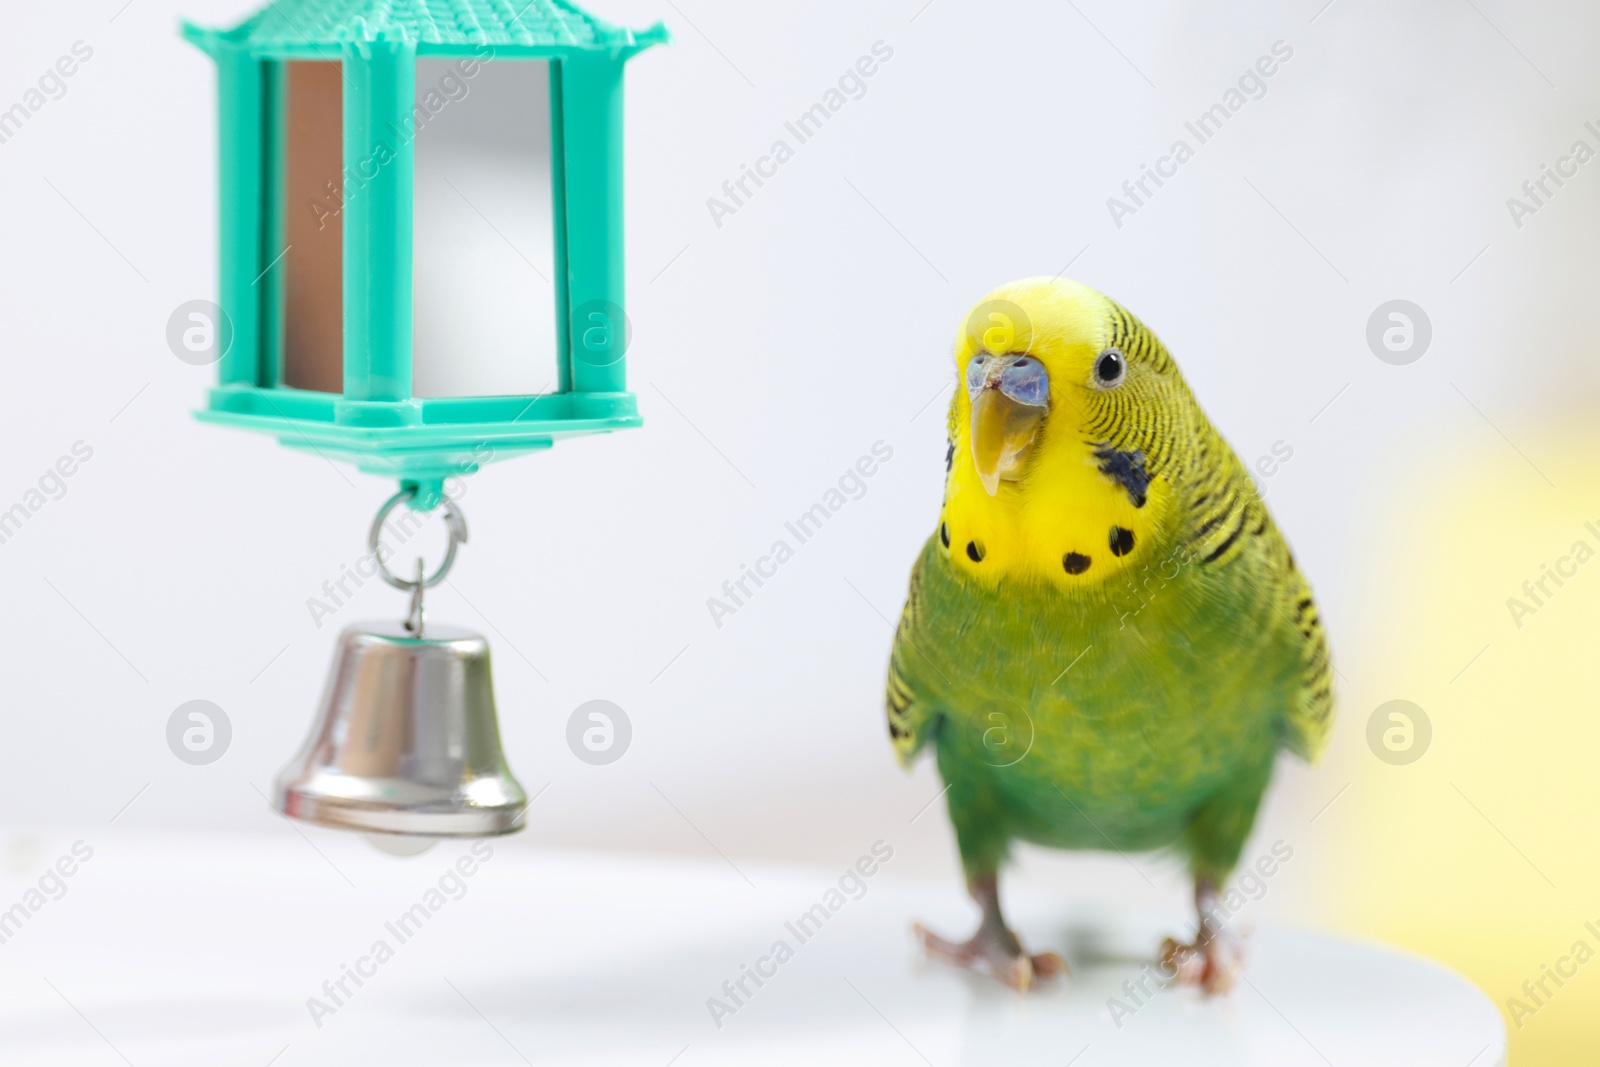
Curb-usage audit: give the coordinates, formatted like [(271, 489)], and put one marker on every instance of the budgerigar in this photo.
[(1106, 640)]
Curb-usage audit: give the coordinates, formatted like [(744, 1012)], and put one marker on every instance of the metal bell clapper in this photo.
[(406, 743)]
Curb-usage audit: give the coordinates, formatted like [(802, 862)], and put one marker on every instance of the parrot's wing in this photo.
[(911, 717), (1311, 716), (1236, 532)]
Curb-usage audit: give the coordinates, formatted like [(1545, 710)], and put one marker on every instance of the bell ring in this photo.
[(406, 740)]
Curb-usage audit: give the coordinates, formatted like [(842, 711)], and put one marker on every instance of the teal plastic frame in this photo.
[(376, 422)]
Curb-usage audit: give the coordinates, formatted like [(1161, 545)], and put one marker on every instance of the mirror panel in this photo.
[(484, 239)]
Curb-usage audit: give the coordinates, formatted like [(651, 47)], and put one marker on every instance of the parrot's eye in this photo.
[(1110, 369)]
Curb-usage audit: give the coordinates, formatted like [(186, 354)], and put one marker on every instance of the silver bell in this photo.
[(406, 741)]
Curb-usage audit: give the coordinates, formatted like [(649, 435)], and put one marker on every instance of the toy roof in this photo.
[(289, 28)]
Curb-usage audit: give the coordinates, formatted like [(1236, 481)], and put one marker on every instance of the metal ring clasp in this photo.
[(455, 526)]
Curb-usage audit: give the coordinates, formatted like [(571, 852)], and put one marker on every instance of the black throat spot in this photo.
[(1127, 470)]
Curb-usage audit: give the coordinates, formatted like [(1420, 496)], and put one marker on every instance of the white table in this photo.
[(204, 951)]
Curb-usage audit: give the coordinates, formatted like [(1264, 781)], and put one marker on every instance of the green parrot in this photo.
[(1106, 640)]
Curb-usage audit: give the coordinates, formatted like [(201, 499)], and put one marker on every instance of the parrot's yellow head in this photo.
[(1064, 429)]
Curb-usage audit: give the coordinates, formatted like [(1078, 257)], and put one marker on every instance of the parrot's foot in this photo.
[(994, 951), (1212, 960), (1211, 963)]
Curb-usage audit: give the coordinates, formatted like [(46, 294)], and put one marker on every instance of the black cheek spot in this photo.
[(1127, 469), (1075, 562), (944, 535), (1121, 541), (974, 552)]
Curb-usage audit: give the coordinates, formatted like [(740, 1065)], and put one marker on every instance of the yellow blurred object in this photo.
[(1482, 853)]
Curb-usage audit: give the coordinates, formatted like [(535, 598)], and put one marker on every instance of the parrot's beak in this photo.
[(1003, 426)]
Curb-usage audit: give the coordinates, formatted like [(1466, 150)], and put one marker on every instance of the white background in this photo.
[(769, 354)]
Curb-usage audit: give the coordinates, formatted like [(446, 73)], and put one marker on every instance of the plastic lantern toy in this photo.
[(365, 327)]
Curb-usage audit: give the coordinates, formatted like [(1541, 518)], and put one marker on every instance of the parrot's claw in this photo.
[(994, 952), (1210, 963)]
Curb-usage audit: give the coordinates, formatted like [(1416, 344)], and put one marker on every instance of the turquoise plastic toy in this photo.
[(376, 421)]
